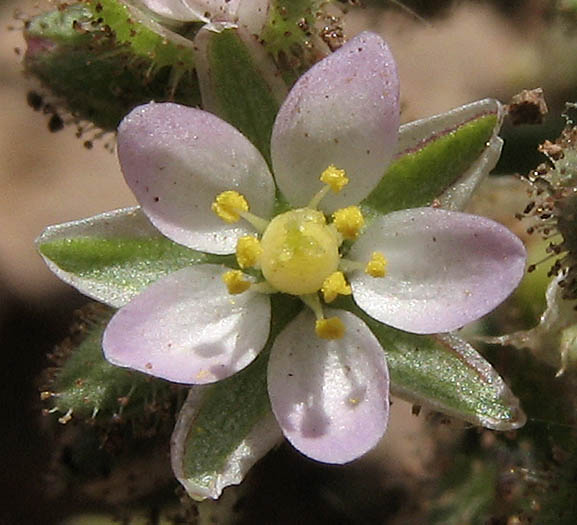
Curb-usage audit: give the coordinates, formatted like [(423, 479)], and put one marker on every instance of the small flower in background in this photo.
[(193, 10), (249, 13), (422, 270), (553, 206), (132, 52), (552, 212)]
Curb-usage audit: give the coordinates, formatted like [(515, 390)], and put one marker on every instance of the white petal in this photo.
[(177, 159), (445, 269), (343, 111), (187, 328), (193, 10), (331, 398), (253, 14)]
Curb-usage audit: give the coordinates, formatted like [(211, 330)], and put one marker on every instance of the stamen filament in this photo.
[(332, 328), (314, 303), (321, 194), (264, 288), (347, 265), (334, 179), (258, 223)]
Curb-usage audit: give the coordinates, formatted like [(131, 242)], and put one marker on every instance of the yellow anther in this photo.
[(349, 222), (335, 178), (248, 250), (334, 285), (331, 328), (235, 282), (228, 205), (203, 374), (377, 265)]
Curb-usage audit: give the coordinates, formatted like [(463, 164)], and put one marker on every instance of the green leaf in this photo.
[(440, 159), (113, 256), (223, 429), (85, 385), (446, 374), (147, 39), (239, 82)]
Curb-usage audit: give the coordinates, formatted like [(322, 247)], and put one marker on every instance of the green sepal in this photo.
[(440, 160), (99, 78), (292, 35), (139, 31), (223, 429), (554, 339), (445, 373), (113, 256), (289, 24), (85, 385), (239, 82), (61, 26)]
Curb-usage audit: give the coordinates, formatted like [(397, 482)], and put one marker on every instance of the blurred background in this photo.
[(448, 53)]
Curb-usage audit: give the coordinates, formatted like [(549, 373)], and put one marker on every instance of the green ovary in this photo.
[(299, 251)]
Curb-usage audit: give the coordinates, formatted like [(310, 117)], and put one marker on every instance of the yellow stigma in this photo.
[(299, 251), (334, 285), (228, 205), (377, 266), (349, 222), (235, 282), (331, 328), (248, 251), (335, 178)]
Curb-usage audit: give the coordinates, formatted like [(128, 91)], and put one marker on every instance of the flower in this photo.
[(193, 10), (421, 270), (252, 13)]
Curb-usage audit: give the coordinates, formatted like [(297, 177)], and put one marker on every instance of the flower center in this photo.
[(299, 251)]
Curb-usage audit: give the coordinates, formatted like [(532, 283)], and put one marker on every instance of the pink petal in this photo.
[(331, 398), (187, 328), (177, 159), (445, 269), (343, 111)]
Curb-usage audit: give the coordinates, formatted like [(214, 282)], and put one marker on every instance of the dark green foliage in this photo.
[(84, 385)]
